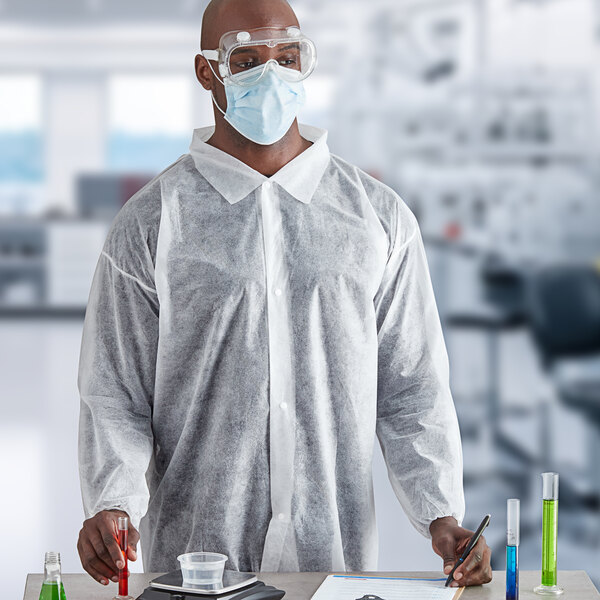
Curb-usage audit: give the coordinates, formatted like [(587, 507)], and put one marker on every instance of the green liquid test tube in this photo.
[(549, 585)]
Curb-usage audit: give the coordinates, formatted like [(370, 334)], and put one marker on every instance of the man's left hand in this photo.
[(449, 540)]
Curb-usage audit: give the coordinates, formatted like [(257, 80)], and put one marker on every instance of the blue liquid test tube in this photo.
[(512, 548)]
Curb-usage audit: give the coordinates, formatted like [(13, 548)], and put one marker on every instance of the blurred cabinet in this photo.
[(22, 263), (47, 266)]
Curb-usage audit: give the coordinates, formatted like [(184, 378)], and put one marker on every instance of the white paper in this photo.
[(352, 587)]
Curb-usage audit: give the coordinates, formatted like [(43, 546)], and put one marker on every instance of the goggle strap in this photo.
[(211, 68), (211, 54)]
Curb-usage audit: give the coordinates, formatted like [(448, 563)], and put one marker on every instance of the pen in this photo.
[(472, 543)]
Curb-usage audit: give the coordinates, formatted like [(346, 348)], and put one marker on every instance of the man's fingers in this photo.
[(102, 544), (107, 533), (92, 564), (445, 548), (100, 567), (133, 537), (450, 541), (475, 557), (449, 562), (483, 573), (478, 574), (101, 551), (90, 560), (472, 563)]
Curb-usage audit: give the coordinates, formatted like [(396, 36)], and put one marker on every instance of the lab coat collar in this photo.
[(235, 180)]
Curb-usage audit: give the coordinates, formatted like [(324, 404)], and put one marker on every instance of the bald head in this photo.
[(222, 16)]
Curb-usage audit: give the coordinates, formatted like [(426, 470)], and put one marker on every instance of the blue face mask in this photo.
[(264, 111)]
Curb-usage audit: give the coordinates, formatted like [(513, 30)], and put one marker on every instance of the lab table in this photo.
[(301, 586)]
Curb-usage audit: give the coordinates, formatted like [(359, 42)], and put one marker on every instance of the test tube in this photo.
[(123, 528), (513, 506), (549, 585)]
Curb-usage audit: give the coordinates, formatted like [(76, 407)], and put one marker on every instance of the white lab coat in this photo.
[(245, 339)]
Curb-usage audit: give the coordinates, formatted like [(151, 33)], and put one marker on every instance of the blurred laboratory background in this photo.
[(482, 114)]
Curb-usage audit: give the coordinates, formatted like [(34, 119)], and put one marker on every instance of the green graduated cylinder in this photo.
[(549, 586), (53, 590), (549, 527)]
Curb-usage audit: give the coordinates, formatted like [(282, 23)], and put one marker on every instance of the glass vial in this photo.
[(513, 507), (123, 529), (549, 585), (52, 587)]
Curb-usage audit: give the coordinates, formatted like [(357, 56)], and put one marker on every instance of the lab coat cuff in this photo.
[(429, 521), (134, 515)]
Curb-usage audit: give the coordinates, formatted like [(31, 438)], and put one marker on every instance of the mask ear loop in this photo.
[(220, 81)]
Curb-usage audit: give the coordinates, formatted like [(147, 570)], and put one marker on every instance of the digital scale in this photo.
[(233, 586)]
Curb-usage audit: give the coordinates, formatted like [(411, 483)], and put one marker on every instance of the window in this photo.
[(150, 121), (21, 147)]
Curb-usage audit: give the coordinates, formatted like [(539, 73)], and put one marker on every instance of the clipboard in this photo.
[(367, 587)]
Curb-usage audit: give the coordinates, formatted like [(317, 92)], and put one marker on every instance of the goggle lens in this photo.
[(296, 57)]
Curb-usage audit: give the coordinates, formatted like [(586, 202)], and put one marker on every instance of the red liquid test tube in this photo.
[(123, 527)]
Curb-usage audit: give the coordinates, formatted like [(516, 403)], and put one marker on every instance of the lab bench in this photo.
[(301, 586)]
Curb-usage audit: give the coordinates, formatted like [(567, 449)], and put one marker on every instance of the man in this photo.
[(260, 310)]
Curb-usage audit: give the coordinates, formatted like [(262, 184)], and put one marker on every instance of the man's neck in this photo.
[(264, 159)]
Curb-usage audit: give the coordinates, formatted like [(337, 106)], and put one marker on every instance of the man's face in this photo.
[(245, 45), (225, 16)]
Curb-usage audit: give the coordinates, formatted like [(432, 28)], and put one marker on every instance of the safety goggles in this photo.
[(240, 53)]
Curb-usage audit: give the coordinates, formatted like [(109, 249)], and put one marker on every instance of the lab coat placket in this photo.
[(279, 549)]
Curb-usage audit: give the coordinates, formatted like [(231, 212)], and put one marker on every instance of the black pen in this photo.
[(472, 543)]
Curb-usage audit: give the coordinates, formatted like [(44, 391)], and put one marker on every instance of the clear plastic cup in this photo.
[(202, 568)]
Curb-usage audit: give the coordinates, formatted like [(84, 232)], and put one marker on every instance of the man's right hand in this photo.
[(98, 545)]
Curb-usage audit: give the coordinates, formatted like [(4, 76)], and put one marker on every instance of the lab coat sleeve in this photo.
[(116, 378), (417, 426)]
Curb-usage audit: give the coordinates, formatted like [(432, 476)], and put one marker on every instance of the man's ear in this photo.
[(203, 71)]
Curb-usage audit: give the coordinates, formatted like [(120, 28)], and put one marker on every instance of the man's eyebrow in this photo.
[(247, 50), (295, 46)]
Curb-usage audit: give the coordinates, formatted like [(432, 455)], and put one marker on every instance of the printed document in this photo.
[(357, 587)]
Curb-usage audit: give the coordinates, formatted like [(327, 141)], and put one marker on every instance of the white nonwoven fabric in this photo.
[(245, 340)]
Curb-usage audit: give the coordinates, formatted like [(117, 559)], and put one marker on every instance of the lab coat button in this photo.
[(281, 516), (278, 292), (283, 405), (267, 185)]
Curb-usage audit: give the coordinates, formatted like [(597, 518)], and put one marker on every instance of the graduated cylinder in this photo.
[(549, 585), (512, 548)]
